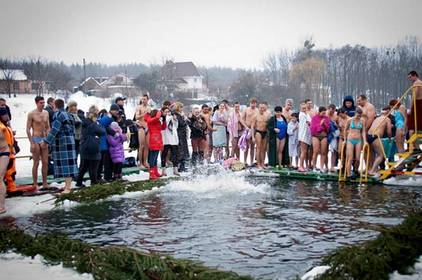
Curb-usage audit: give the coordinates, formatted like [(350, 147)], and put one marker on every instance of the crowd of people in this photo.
[(307, 139)]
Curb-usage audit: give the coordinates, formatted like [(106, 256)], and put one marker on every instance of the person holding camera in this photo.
[(170, 140)]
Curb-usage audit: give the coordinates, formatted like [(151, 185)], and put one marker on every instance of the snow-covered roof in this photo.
[(119, 79), (14, 74)]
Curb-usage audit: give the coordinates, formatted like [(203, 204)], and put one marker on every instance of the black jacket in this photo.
[(50, 111), (90, 141)]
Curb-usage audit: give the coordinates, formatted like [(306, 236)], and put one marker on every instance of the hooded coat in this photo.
[(350, 111), (154, 131), (116, 150)]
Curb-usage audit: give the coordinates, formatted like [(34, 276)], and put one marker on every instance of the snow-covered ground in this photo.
[(17, 267), (416, 272)]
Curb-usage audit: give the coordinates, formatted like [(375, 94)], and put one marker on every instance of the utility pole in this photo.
[(84, 75), (126, 78)]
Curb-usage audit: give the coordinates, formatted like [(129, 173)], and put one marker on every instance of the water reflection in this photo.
[(238, 223)]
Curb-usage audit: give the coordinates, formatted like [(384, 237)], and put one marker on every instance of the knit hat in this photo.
[(114, 107), (115, 126)]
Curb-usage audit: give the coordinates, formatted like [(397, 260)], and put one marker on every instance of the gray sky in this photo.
[(215, 32)]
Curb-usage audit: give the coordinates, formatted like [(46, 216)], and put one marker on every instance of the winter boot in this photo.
[(155, 170), (194, 158), (201, 158), (182, 166), (152, 175)]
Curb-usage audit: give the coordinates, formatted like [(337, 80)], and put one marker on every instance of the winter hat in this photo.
[(115, 126), (114, 107), (3, 111)]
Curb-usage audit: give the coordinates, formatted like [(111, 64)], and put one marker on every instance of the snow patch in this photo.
[(404, 181), (314, 272), (18, 267)]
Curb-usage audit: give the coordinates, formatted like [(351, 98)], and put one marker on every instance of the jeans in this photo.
[(152, 158)]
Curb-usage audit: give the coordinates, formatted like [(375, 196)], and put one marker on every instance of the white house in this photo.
[(183, 76)]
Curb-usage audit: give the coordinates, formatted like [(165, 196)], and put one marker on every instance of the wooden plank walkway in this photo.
[(50, 179)]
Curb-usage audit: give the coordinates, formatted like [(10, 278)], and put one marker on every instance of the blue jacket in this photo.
[(105, 122)]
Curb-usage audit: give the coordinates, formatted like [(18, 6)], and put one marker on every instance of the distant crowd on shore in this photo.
[(283, 137)]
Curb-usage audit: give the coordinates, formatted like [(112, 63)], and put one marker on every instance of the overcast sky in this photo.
[(214, 32)]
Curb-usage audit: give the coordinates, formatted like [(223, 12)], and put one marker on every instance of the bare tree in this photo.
[(8, 76)]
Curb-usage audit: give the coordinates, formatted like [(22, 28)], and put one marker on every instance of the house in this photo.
[(181, 77), (90, 85), (109, 86), (14, 81)]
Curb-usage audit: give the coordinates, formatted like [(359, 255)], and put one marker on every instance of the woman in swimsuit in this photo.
[(356, 136), (320, 126), (399, 114)]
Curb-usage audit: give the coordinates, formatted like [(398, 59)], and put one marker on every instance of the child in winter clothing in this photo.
[(293, 131), (153, 120), (116, 149)]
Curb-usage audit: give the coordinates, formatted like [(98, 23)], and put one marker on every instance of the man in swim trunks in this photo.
[(368, 110), (5, 151), (379, 126), (259, 133), (248, 116), (416, 99), (206, 114), (38, 122), (141, 110), (288, 109)]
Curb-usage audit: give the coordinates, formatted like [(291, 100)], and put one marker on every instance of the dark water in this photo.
[(267, 228)]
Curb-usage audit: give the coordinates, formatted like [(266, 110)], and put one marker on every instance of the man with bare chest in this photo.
[(414, 121), (248, 116), (37, 128), (368, 110), (259, 133), (141, 110), (206, 114), (378, 128), (287, 109)]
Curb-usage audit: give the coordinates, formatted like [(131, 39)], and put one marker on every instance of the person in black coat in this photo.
[(50, 109), (90, 147), (121, 120)]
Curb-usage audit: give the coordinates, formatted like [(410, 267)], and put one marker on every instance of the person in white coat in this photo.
[(170, 141), (304, 135)]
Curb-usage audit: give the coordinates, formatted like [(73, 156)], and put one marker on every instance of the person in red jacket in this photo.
[(153, 120)]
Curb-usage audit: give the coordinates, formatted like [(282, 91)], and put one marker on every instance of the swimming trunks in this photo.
[(354, 142), (371, 138), (320, 136), (5, 154), (262, 133), (37, 140)]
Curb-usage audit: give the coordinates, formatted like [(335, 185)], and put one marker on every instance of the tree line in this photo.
[(328, 75), (325, 75)]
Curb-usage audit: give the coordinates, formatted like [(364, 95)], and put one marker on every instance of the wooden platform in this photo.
[(283, 172), (315, 176), (50, 179)]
